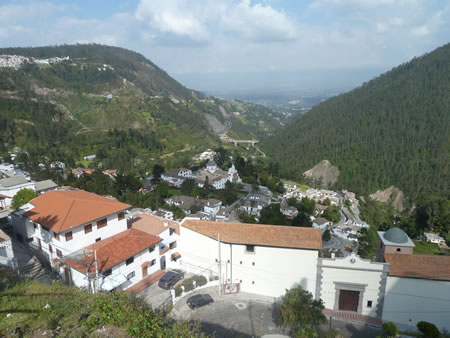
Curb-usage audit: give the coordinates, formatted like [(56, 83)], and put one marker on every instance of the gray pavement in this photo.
[(154, 295), (240, 315), (250, 315), (337, 243)]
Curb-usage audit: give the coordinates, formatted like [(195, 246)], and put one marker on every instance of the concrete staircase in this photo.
[(29, 265)]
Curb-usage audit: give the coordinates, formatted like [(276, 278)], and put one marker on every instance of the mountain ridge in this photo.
[(392, 130)]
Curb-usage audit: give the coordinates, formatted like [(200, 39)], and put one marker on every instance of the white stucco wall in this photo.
[(6, 253), (409, 301), (11, 191), (352, 270), (79, 238), (268, 271), (80, 280)]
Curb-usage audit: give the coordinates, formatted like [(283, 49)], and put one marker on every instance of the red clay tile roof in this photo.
[(62, 210), (113, 250), (258, 234), (419, 266), (153, 225)]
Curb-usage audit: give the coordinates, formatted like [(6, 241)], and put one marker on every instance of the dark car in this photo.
[(199, 300), (170, 279)]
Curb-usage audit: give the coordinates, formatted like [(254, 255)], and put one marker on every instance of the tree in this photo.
[(307, 205), (162, 190), (22, 197), (332, 214), (299, 309), (272, 215), (326, 235), (187, 186), (428, 330), (301, 220), (157, 171), (389, 330)]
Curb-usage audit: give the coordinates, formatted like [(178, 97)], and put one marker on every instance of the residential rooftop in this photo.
[(258, 234), (112, 250), (153, 225), (13, 181), (419, 266), (63, 210)]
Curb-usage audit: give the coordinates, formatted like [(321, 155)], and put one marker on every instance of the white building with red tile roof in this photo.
[(117, 262), (167, 230), (262, 259), (59, 223)]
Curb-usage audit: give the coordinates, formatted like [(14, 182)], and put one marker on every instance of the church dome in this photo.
[(396, 235)]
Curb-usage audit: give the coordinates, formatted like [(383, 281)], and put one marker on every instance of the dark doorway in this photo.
[(39, 244), (348, 300), (66, 275), (144, 271), (163, 262)]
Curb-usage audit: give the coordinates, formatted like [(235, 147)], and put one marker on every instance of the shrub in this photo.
[(200, 280), (428, 330), (178, 291), (389, 330), (188, 284)]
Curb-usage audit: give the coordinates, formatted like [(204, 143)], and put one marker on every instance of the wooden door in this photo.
[(144, 270), (348, 300), (66, 275)]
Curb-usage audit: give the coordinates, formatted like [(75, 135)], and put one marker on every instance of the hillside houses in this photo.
[(210, 207), (210, 175)]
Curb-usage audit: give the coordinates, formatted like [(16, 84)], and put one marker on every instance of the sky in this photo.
[(241, 44)]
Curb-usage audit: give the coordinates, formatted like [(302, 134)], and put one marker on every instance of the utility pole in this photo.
[(220, 266), (96, 271)]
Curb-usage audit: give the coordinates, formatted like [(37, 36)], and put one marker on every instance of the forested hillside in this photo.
[(111, 102), (393, 130)]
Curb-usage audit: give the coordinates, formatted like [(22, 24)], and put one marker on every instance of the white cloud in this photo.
[(203, 19), (259, 23)]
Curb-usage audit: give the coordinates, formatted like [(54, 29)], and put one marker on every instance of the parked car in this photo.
[(348, 249), (170, 279), (199, 300)]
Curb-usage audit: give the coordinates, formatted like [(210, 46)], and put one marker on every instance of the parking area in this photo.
[(239, 315), (155, 295), (249, 315), (338, 244)]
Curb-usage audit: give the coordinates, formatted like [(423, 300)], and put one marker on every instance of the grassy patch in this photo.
[(303, 187), (31, 307), (426, 248)]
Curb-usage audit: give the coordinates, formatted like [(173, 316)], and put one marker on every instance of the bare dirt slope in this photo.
[(392, 195), (325, 172)]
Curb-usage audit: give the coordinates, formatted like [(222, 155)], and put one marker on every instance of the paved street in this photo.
[(249, 315), (154, 295), (241, 315), (337, 243)]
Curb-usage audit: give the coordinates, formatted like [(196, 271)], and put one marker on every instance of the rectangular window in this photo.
[(35, 226), (173, 245), (69, 236), (88, 228), (102, 223), (153, 262), (98, 239), (151, 249), (107, 273), (129, 261), (58, 253), (171, 231), (369, 303), (130, 275), (250, 249), (56, 236), (120, 216), (50, 248)]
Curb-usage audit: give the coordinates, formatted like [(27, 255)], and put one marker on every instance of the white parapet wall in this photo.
[(411, 300)]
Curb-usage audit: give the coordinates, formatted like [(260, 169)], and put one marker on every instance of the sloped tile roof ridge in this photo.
[(258, 234)]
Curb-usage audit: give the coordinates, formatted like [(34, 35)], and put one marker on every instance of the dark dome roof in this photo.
[(396, 235)]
